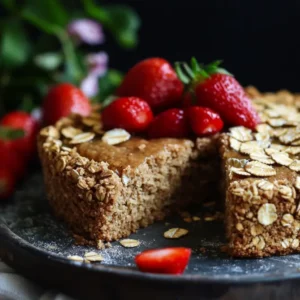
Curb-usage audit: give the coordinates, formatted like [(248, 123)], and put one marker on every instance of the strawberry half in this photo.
[(204, 121), (164, 261), (215, 88)]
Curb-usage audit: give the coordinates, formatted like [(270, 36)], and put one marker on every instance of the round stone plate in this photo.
[(37, 245)]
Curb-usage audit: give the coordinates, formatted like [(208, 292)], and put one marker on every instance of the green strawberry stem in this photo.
[(8, 133), (196, 73)]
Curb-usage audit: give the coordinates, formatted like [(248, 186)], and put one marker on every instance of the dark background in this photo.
[(257, 40)]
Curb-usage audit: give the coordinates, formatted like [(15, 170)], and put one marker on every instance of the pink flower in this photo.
[(86, 31), (97, 63), (89, 85)]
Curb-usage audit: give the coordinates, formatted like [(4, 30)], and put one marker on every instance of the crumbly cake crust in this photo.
[(262, 179), (102, 201)]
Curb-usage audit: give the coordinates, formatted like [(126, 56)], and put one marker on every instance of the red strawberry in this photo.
[(165, 261), (188, 100), (18, 132), (62, 100), (153, 80), (13, 161), (215, 88), (7, 183), (204, 121), (130, 113), (171, 123)]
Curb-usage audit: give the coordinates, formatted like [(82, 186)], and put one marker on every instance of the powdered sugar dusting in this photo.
[(30, 218)]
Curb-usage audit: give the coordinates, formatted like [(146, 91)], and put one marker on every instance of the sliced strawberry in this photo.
[(204, 121), (7, 183), (164, 261), (62, 100), (171, 123), (215, 88), (130, 113), (153, 80)]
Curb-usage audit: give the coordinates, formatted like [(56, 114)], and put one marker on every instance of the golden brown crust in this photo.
[(262, 180)]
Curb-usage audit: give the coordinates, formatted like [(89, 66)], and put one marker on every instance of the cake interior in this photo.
[(156, 177)]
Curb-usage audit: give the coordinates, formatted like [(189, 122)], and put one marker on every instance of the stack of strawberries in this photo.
[(154, 99)]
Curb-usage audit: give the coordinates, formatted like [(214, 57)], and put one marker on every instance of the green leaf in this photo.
[(195, 66), (121, 20), (184, 78), (48, 61), (8, 133), (27, 104), (73, 69), (15, 47), (188, 70), (48, 15), (50, 11), (41, 24), (108, 83), (8, 4)]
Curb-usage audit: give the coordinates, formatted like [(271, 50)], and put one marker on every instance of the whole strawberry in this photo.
[(153, 80), (204, 121), (171, 123), (130, 113), (62, 100), (7, 183), (215, 88), (18, 132)]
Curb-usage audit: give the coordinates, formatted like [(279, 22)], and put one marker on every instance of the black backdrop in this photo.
[(259, 41)]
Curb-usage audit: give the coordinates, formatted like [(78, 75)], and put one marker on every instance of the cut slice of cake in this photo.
[(106, 188), (262, 180)]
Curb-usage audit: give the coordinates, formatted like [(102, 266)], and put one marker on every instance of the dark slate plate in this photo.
[(36, 244)]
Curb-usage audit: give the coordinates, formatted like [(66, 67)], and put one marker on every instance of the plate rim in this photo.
[(6, 234)]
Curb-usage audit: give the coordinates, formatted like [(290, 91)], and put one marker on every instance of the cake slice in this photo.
[(107, 187), (262, 180)]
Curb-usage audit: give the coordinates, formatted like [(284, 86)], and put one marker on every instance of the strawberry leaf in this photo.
[(184, 78), (8, 133), (188, 70), (195, 65)]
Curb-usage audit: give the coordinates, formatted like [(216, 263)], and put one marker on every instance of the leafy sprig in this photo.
[(36, 50)]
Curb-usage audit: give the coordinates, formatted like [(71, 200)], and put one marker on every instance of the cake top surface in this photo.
[(129, 153)]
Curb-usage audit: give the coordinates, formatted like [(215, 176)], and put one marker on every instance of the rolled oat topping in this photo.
[(295, 165), (259, 169), (116, 136), (175, 233), (267, 214), (241, 133), (282, 158), (239, 171), (82, 138), (130, 243)]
